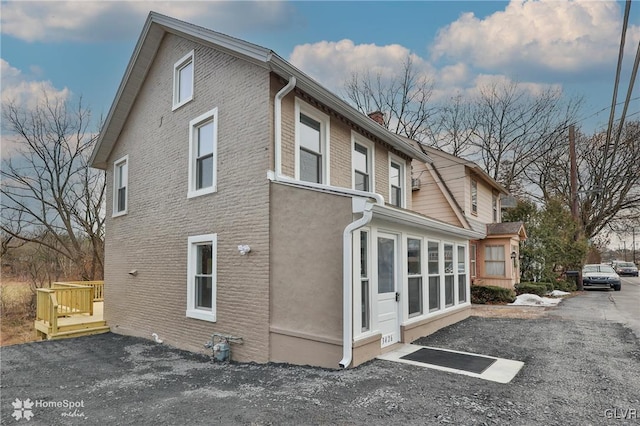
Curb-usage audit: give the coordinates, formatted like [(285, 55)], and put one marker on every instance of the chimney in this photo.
[(377, 116)]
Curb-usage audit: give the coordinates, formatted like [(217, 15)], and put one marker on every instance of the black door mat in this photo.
[(472, 363)]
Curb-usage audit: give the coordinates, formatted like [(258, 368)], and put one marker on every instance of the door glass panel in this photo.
[(386, 265)]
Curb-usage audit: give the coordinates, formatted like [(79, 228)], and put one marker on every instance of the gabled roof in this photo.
[(506, 228), (158, 25), (431, 151)]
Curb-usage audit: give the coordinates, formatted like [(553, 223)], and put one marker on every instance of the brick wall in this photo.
[(152, 237)]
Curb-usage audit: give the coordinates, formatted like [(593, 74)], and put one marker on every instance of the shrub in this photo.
[(483, 294), (564, 285), (539, 289)]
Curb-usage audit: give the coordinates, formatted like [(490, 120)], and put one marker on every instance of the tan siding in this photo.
[(429, 199), (485, 211), (152, 237)]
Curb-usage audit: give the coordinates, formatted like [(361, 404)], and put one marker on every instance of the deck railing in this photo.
[(65, 299), (98, 287), (73, 298), (47, 307)]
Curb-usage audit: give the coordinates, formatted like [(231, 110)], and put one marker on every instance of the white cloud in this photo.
[(87, 21), (530, 37), (332, 63), (25, 90)]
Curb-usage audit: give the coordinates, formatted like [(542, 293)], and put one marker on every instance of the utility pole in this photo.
[(574, 193), (574, 173)]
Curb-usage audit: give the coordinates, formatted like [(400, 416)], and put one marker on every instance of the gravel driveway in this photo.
[(575, 373)]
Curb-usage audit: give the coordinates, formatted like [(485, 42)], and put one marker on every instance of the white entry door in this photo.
[(387, 289)]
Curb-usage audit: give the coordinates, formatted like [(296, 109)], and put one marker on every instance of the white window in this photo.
[(449, 276), (414, 271), (433, 263), (312, 144), (494, 261), (362, 161), (120, 186), (396, 182), (201, 277), (183, 80), (474, 196), (494, 206), (203, 146), (472, 260), (462, 274), (365, 288)]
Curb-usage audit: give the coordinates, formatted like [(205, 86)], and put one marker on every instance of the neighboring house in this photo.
[(246, 199), (470, 198)]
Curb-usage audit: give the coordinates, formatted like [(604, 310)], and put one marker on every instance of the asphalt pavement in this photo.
[(581, 367)]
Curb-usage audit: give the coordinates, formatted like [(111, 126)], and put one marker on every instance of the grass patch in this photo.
[(16, 312)]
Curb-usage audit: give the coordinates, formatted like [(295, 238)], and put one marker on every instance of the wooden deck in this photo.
[(70, 310)]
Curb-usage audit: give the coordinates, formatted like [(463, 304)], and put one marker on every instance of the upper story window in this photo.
[(396, 183), (312, 144), (183, 80), (474, 196), (362, 159), (201, 277), (120, 185), (203, 143), (494, 206)]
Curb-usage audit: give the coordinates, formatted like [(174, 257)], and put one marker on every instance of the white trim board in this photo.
[(501, 371)]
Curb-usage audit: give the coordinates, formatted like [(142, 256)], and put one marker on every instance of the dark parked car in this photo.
[(625, 268), (602, 276)]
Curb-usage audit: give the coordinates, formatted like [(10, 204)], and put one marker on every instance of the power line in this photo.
[(618, 70)]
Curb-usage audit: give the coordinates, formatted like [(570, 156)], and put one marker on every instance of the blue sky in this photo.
[(82, 48)]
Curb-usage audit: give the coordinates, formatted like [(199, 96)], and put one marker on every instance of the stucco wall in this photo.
[(306, 275), (152, 237)]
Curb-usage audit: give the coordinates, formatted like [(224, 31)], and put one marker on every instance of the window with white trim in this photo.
[(474, 196), (365, 288), (472, 260), (312, 144), (449, 277), (396, 183), (433, 263), (494, 261), (494, 206), (462, 274), (201, 277), (183, 80), (414, 272), (120, 186), (362, 161), (203, 146)]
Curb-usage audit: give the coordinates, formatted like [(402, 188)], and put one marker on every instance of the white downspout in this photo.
[(347, 279), (278, 123)]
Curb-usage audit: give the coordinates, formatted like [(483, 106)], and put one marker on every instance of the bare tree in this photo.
[(50, 196), (453, 128), (608, 179), (403, 99), (514, 128)]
